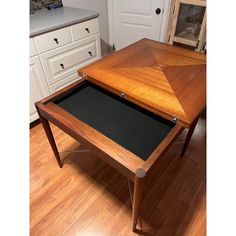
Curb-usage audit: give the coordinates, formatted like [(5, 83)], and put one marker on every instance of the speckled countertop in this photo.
[(45, 20)]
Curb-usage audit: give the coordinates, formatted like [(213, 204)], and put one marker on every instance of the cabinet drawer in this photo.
[(63, 83), (33, 50), (65, 61), (53, 39), (84, 29)]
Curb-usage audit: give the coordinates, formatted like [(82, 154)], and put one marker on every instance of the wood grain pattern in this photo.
[(138, 195), (89, 197), (168, 80), (51, 140), (189, 136)]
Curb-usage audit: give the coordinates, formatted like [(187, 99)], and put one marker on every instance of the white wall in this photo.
[(99, 6)]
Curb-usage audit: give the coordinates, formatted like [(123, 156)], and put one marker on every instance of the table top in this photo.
[(167, 80)]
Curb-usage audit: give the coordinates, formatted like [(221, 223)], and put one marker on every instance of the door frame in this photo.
[(164, 23)]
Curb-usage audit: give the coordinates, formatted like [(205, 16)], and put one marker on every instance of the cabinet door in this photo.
[(33, 50), (134, 20), (38, 85)]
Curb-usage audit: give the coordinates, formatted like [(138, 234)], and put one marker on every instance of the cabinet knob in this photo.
[(87, 29), (90, 53), (56, 40), (158, 11), (62, 66)]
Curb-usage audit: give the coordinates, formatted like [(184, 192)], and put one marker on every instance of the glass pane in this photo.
[(189, 21)]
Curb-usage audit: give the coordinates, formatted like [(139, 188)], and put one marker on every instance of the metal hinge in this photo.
[(84, 76), (123, 95), (174, 119)]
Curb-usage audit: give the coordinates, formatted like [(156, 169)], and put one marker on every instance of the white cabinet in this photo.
[(63, 83), (33, 50), (57, 56), (38, 85)]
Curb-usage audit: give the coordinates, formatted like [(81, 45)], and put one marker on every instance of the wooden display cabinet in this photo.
[(187, 24)]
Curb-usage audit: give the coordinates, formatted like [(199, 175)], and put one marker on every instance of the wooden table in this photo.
[(130, 106)]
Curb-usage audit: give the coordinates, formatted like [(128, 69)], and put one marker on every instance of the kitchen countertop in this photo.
[(45, 20)]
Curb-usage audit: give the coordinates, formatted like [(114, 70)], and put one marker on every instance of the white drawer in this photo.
[(65, 61), (84, 29), (53, 39), (63, 83), (33, 50)]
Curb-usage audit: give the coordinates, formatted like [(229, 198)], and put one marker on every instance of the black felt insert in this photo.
[(134, 128)]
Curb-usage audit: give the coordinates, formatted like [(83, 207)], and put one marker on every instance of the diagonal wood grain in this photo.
[(168, 80), (188, 76)]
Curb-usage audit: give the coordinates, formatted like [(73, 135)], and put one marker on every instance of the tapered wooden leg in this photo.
[(189, 136), (138, 192), (51, 140)]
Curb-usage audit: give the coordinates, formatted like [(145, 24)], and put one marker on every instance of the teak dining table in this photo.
[(130, 106)]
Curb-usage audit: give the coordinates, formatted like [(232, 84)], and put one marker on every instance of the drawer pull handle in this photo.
[(56, 40), (62, 66), (87, 29), (90, 53)]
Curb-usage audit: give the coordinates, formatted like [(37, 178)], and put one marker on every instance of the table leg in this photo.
[(138, 192), (189, 136), (51, 140)]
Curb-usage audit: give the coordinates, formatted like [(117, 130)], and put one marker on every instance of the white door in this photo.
[(38, 85), (132, 20)]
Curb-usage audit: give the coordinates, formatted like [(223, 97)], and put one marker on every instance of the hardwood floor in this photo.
[(88, 197)]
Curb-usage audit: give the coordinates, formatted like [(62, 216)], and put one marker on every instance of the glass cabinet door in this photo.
[(189, 23)]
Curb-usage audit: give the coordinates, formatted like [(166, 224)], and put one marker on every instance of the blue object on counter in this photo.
[(54, 6)]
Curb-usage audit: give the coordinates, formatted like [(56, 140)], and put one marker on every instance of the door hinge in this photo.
[(169, 38), (173, 10)]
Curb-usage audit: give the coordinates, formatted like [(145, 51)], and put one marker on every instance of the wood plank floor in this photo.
[(88, 197)]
